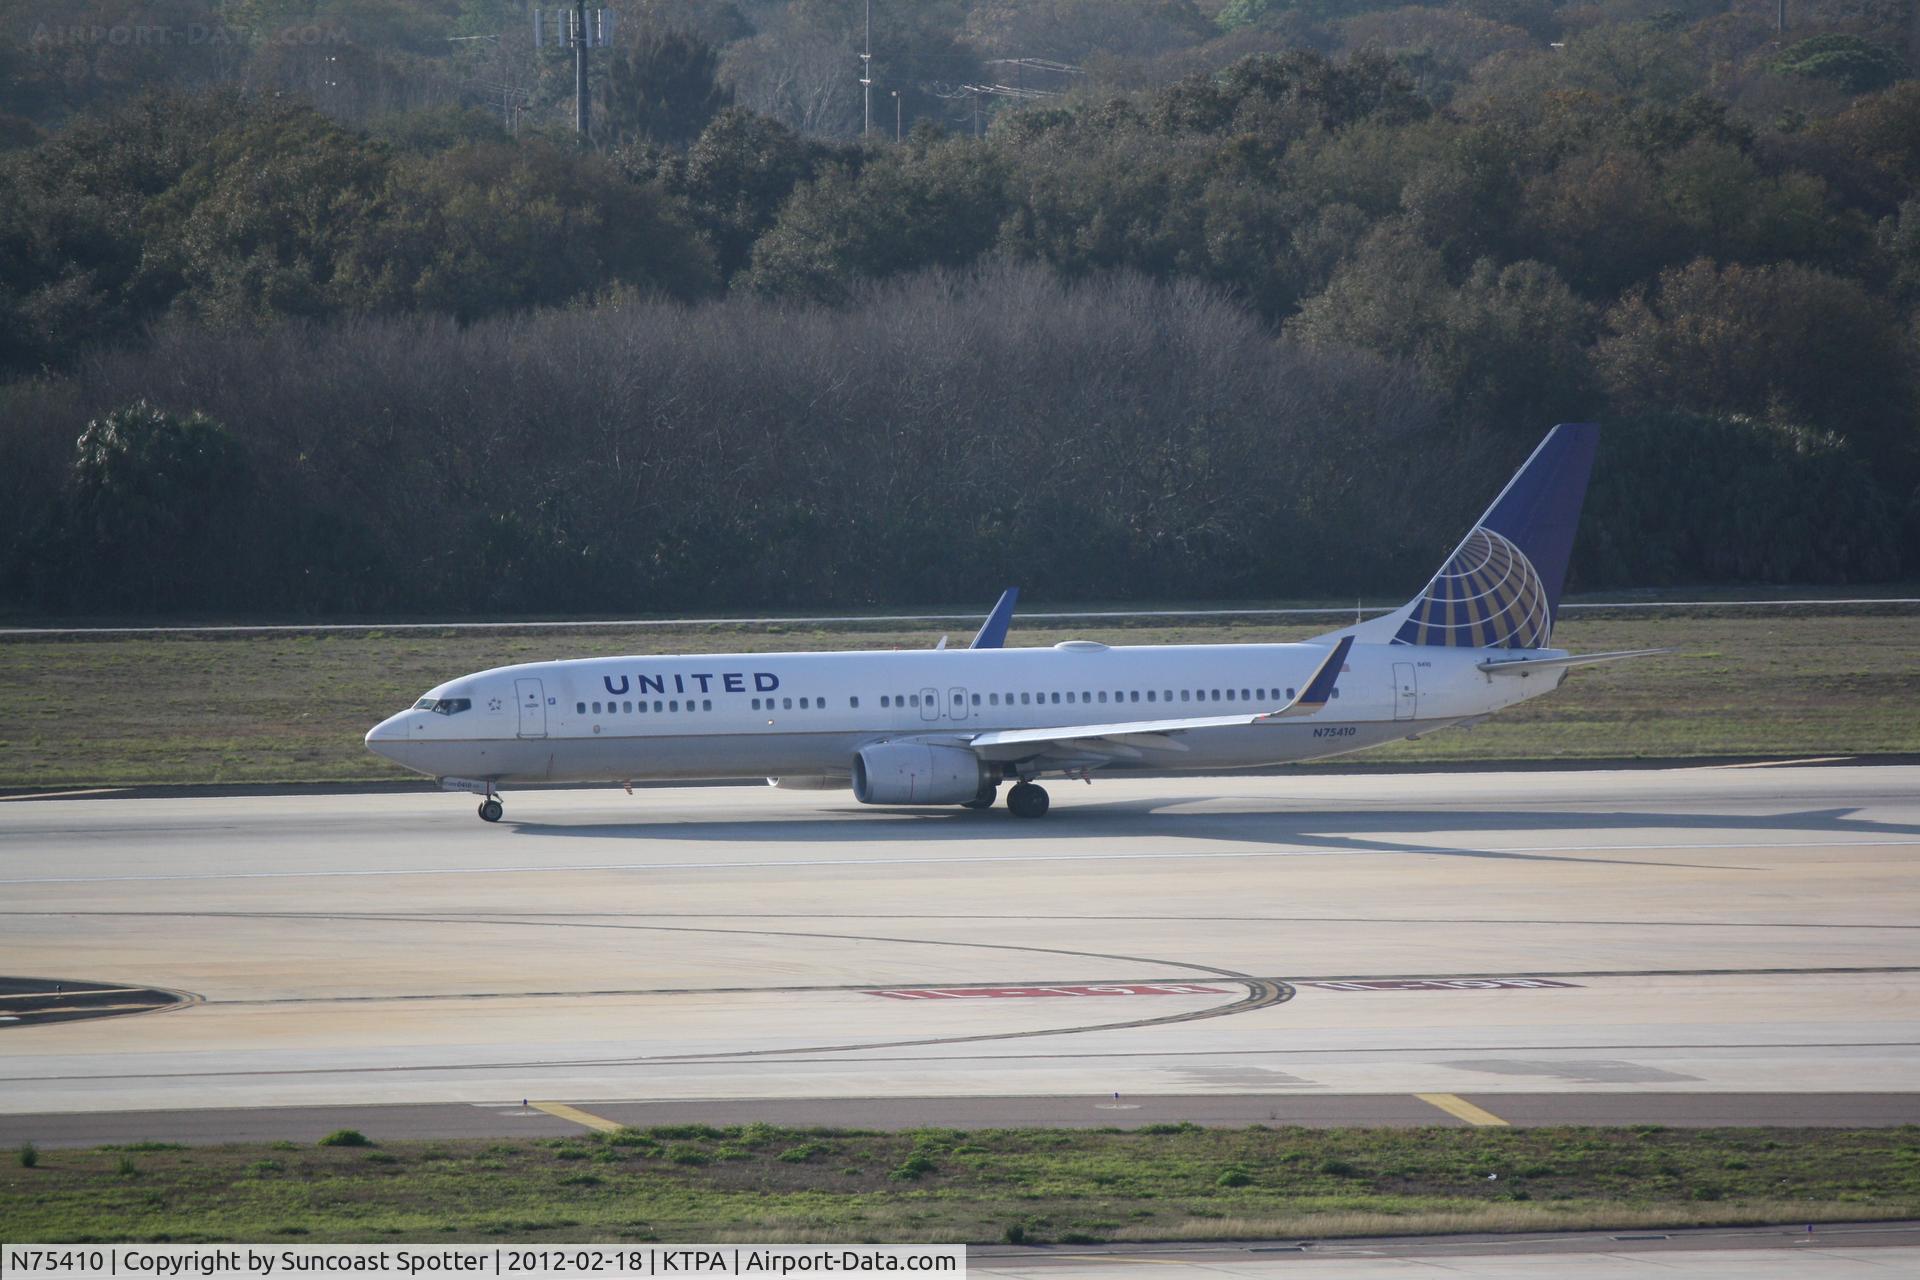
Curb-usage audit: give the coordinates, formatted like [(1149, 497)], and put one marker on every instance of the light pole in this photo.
[(896, 115)]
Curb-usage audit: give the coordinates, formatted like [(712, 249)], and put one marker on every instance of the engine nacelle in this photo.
[(812, 782), (912, 773)]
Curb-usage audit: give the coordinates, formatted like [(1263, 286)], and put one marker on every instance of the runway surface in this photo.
[(1678, 946)]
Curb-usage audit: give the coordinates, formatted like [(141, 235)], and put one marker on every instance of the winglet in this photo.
[(1319, 690), (993, 632)]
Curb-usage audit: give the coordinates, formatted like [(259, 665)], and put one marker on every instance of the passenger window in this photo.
[(1289, 695), (580, 708), (1069, 695), (1165, 697), (1136, 696), (993, 699), (1103, 695), (1245, 696), (976, 699), (674, 705), (656, 704), (596, 708), (756, 704), (1185, 696), (786, 704), (1085, 696), (885, 701), (1336, 692), (706, 704), (803, 704), (853, 702), (627, 707), (1026, 699), (641, 706), (1149, 695)]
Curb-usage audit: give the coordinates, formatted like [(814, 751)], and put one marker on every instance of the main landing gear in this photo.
[(1027, 801)]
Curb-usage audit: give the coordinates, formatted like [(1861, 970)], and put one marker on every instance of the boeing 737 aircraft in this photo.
[(949, 726)]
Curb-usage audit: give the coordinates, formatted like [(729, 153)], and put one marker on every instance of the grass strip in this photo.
[(294, 708), (1158, 1182)]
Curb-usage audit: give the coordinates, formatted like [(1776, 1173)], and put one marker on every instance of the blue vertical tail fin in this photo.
[(1500, 589)]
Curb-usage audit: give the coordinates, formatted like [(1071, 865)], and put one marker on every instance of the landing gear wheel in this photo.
[(1027, 801), (490, 810), (982, 801)]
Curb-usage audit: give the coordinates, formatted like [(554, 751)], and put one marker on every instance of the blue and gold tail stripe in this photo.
[(1487, 596)]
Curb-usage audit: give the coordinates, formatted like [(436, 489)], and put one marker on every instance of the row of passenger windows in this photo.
[(1045, 698), (1070, 697), (640, 707), (670, 705)]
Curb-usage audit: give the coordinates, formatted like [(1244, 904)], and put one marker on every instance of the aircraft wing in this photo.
[(1521, 666), (1128, 737)]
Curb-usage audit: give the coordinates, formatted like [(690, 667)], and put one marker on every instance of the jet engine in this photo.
[(912, 773)]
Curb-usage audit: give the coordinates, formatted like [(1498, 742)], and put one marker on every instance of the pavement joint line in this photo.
[(65, 795), (1764, 764), (564, 1112), (1287, 851), (1458, 1107)]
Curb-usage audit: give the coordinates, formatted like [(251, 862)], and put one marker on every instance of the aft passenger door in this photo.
[(1406, 697), (533, 708)]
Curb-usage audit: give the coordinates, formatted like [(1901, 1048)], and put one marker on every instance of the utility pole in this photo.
[(580, 68), (896, 115), (866, 76), (571, 27)]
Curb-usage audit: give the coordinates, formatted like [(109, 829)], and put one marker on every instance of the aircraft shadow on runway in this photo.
[(1339, 831)]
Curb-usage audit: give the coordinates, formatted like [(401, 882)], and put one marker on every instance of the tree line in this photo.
[(1349, 283)]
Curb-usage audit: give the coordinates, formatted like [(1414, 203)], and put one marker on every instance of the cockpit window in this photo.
[(444, 706)]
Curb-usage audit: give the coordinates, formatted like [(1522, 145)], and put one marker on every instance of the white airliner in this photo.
[(949, 726)]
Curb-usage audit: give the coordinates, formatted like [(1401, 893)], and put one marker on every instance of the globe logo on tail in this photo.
[(1488, 596)]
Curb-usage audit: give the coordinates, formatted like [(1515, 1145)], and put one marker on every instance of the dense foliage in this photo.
[(1265, 300)]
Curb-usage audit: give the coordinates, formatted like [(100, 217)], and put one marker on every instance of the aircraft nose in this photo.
[(389, 731)]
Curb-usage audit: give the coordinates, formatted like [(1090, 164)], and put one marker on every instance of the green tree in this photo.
[(490, 228), (1856, 65), (662, 85), (155, 512), (933, 202), (1506, 348), (1786, 339), (736, 176), (264, 221)]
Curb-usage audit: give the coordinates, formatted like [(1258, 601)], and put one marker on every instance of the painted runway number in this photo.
[(1032, 993), (1439, 985)]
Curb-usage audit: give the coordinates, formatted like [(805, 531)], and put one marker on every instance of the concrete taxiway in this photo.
[(1681, 946)]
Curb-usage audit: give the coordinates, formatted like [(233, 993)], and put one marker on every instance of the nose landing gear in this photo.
[(490, 810)]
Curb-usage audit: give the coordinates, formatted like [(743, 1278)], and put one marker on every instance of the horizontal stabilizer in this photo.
[(1520, 666)]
